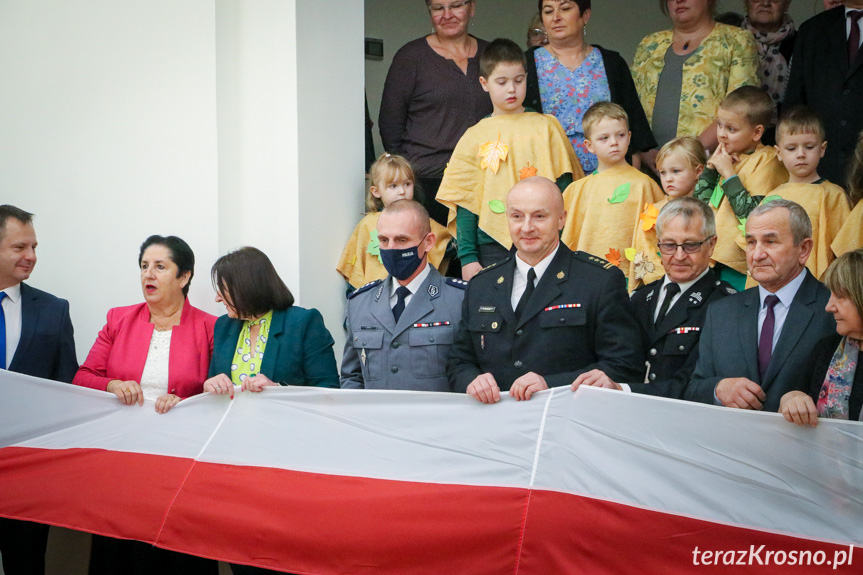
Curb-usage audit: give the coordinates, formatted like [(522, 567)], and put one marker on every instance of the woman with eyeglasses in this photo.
[(536, 35), (432, 95), (567, 75)]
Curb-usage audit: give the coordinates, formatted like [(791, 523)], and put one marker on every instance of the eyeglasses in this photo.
[(438, 9), (688, 247), (537, 32)]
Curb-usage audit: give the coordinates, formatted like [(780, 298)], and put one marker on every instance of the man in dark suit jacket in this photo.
[(824, 78), (38, 341), (756, 345), (544, 315)]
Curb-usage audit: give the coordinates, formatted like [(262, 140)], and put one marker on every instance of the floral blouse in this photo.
[(726, 60), (567, 94)]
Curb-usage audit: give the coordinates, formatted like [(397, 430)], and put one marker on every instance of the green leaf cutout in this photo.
[(620, 194), (769, 199), (374, 247), (742, 226), (716, 196), (497, 206)]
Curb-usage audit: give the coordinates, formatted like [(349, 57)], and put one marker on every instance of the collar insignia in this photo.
[(500, 280), (695, 297), (560, 275), (433, 291)]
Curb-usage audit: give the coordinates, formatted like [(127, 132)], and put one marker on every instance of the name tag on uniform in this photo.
[(563, 306), (487, 309), (435, 324), (682, 330)]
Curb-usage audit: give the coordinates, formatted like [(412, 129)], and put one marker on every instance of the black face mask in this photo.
[(401, 264)]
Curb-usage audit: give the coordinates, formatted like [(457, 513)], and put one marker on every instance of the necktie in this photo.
[(528, 291), (671, 290), (2, 332), (854, 36), (765, 342), (402, 292)]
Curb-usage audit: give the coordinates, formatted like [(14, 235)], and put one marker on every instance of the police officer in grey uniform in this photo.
[(544, 315), (400, 329)]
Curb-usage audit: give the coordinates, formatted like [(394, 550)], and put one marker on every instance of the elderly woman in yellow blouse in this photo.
[(682, 74)]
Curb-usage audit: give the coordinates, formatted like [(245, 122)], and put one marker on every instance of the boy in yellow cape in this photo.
[(501, 150), (603, 209), (740, 167)]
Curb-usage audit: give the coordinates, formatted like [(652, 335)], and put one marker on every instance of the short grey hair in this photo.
[(687, 208), (801, 225)]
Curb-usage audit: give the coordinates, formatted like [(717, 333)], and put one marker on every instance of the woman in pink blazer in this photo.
[(159, 349)]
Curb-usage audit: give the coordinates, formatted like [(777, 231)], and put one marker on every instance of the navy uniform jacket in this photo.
[(578, 319), (47, 345), (729, 343), (380, 354), (672, 346)]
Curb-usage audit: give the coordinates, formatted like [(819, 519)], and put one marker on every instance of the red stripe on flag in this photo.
[(579, 535)]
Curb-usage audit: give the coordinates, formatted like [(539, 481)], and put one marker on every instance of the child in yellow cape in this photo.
[(392, 179), (491, 157), (740, 167), (680, 162), (603, 209), (850, 237)]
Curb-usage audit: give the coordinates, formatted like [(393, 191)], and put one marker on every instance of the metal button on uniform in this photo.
[(653, 351), (682, 347), (518, 363), (431, 340), (394, 369), (652, 376), (395, 345), (563, 320), (519, 332)]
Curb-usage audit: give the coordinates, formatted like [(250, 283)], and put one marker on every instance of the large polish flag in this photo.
[(325, 482)]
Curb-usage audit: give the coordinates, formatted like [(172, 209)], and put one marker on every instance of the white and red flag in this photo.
[(328, 482)]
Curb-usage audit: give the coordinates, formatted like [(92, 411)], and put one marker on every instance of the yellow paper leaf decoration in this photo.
[(527, 172), (492, 154), (648, 217), (629, 253)]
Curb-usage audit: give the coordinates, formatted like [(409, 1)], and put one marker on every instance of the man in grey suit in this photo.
[(400, 329), (756, 344)]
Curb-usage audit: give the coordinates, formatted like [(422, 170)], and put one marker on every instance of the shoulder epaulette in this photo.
[(364, 288), (592, 259), (455, 282), (724, 286), (492, 266)]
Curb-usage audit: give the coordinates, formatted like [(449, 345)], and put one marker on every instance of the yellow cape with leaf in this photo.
[(603, 209), (644, 244), (360, 263), (850, 237), (496, 154), (827, 207), (760, 172)]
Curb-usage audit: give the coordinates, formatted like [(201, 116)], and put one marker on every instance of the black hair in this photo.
[(248, 281), (181, 254)]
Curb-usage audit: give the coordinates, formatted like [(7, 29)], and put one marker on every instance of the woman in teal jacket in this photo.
[(265, 340)]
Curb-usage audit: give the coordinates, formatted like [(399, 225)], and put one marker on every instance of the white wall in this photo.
[(124, 119), (615, 24)]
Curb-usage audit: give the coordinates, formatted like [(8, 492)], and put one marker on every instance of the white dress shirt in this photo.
[(848, 25), (780, 310), (519, 280), (12, 309), (677, 296), (413, 286)]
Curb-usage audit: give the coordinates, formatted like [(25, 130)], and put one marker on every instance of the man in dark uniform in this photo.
[(400, 329), (672, 309), (545, 314)]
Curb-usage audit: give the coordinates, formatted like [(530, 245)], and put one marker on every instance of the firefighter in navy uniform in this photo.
[(546, 314)]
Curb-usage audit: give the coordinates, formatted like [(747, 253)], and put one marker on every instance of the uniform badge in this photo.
[(500, 280), (380, 291), (649, 297), (695, 298), (433, 291), (560, 275), (487, 309), (494, 325)]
